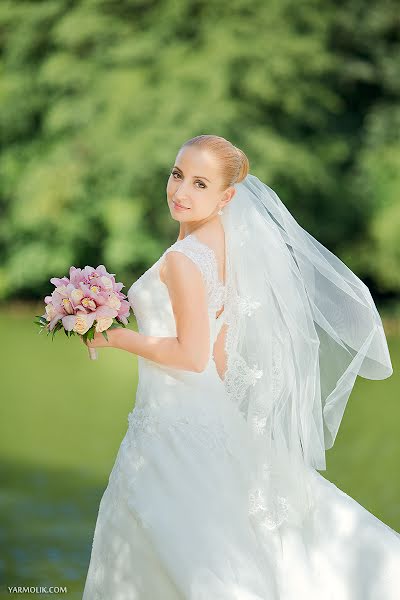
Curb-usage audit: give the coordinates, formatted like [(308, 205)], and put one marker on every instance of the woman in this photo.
[(251, 335)]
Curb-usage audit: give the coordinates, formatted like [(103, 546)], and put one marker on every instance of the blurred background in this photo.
[(96, 97)]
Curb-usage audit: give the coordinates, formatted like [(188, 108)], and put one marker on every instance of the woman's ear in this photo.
[(230, 192)]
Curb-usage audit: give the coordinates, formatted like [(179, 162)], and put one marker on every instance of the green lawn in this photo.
[(63, 418)]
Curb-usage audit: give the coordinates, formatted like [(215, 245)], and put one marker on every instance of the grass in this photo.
[(63, 418)]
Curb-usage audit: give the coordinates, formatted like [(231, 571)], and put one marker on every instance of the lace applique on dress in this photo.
[(203, 429), (204, 257)]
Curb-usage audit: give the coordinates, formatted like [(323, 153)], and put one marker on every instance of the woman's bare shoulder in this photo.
[(214, 238)]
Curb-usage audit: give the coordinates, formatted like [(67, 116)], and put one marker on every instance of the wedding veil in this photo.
[(301, 327)]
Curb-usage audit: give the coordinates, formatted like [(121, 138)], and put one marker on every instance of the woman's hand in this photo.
[(99, 341)]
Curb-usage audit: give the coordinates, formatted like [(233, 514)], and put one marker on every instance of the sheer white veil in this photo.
[(301, 327)]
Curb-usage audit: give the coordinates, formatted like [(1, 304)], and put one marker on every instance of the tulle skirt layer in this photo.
[(173, 524)]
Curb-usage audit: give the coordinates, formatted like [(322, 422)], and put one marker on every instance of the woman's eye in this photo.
[(198, 181)]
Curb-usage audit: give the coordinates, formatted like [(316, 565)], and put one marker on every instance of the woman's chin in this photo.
[(178, 217)]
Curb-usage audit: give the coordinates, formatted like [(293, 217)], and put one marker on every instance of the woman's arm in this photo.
[(189, 350)]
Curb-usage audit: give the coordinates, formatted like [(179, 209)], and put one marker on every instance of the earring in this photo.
[(220, 212)]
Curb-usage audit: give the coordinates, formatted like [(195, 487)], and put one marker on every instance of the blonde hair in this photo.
[(233, 162)]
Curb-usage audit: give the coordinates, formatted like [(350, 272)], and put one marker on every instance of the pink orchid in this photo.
[(88, 298)]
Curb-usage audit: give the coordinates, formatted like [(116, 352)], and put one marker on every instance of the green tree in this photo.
[(98, 96)]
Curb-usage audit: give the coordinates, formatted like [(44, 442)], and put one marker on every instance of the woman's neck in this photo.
[(188, 228)]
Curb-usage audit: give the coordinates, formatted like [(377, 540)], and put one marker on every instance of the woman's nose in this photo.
[(180, 191)]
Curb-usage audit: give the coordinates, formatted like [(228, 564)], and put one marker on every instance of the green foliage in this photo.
[(97, 97), (43, 324), (367, 44)]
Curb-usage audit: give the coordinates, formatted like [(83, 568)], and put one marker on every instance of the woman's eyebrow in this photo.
[(199, 176)]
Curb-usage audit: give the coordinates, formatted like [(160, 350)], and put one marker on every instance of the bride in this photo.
[(251, 335)]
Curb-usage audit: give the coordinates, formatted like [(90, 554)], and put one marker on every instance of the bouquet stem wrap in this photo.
[(92, 353)]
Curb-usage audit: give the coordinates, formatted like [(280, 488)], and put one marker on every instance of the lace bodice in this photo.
[(149, 295), (149, 298), (204, 257)]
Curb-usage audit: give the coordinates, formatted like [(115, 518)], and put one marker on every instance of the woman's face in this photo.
[(195, 183)]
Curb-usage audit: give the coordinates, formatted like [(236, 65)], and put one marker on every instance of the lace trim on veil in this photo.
[(269, 509)]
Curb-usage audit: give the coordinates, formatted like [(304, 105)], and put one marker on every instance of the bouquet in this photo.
[(87, 302)]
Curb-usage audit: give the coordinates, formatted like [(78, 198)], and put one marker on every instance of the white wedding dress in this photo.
[(173, 522)]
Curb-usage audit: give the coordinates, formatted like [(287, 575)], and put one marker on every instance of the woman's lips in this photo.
[(178, 206)]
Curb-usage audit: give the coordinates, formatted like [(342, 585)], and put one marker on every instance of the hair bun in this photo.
[(233, 162), (244, 165)]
